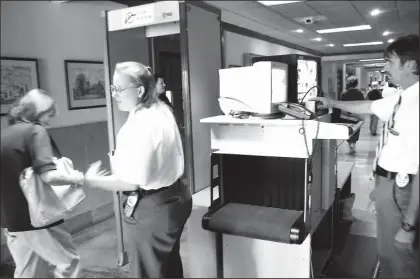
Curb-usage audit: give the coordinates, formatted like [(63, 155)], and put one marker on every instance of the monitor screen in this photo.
[(307, 78)]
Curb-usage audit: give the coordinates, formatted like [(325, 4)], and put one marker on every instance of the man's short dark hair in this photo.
[(158, 76), (351, 82), (406, 49)]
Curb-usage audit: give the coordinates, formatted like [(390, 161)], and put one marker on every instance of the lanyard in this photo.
[(392, 120)]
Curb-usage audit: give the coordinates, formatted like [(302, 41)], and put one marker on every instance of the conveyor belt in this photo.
[(266, 223)]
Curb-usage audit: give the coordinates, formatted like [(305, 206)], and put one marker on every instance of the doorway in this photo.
[(166, 61)]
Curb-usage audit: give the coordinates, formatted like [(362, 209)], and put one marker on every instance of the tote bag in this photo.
[(48, 203)]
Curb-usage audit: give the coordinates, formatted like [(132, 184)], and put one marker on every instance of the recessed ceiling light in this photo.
[(372, 59), (299, 30), (274, 3), (363, 44), (390, 40), (317, 39), (330, 45), (375, 12), (386, 33), (344, 29)]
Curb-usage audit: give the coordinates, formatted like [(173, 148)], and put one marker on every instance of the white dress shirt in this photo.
[(400, 153), (388, 91), (149, 148)]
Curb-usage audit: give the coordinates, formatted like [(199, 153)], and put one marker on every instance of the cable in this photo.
[(307, 92), (310, 157), (336, 148)]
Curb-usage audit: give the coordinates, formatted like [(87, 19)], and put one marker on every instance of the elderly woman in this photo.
[(37, 252), (147, 165)]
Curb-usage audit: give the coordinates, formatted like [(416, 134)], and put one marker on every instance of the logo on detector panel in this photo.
[(165, 15)]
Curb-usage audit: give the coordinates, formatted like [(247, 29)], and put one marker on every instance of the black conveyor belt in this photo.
[(266, 223)]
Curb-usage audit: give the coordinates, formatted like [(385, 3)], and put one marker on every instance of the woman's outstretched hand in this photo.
[(95, 169)]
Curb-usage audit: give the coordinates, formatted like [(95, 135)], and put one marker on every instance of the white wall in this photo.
[(236, 45), (52, 33)]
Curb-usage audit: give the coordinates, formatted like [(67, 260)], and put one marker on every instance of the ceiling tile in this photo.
[(400, 17)]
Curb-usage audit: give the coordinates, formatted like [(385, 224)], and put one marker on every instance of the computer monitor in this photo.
[(255, 89), (304, 72)]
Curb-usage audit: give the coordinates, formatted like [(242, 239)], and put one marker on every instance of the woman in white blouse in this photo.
[(147, 165)]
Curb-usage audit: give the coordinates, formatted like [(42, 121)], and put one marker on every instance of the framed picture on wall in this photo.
[(18, 76), (85, 81)]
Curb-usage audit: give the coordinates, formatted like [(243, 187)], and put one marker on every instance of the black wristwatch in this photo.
[(407, 227)]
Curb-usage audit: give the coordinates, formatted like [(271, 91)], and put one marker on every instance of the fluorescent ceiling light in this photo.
[(274, 3), (344, 29), (363, 44), (330, 45), (317, 39), (375, 12), (390, 40), (375, 65), (386, 33), (299, 30), (372, 59)]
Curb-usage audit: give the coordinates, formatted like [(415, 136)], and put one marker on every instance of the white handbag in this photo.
[(48, 203)]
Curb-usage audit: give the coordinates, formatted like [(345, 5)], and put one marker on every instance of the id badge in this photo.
[(130, 205), (402, 179)]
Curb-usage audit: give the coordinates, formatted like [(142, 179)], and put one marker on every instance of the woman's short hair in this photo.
[(140, 75), (406, 49), (31, 106)]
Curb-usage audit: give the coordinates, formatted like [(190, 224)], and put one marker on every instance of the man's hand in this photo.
[(326, 102), (404, 239)]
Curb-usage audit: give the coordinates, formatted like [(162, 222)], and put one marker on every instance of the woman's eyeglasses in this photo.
[(117, 89)]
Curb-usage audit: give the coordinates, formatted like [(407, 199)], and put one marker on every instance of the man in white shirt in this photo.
[(397, 191)]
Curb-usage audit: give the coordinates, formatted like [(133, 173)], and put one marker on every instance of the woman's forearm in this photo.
[(356, 107), (110, 183), (56, 178)]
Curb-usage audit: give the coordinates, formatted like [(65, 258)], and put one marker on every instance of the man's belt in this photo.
[(389, 174)]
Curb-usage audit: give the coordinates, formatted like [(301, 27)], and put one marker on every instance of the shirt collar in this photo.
[(412, 91)]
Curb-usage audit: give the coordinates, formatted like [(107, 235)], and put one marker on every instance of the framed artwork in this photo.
[(18, 76), (85, 82)]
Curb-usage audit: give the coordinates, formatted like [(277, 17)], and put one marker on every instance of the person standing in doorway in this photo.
[(352, 94), (396, 194), (161, 89), (147, 165), (373, 95)]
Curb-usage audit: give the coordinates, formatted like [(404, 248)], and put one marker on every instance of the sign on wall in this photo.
[(144, 15)]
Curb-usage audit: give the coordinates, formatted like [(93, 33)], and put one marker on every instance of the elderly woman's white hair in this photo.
[(32, 106)]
